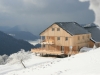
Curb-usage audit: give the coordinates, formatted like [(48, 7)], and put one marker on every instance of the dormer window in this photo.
[(58, 29), (53, 29)]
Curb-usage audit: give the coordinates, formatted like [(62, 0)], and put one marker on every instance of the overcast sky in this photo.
[(42, 13)]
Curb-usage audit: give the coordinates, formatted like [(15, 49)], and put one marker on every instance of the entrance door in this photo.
[(62, 49)]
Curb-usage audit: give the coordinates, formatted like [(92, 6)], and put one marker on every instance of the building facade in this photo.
[(65, 37)]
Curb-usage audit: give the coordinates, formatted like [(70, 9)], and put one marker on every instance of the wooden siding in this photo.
[(81, 39), (76, 41), (72, 40), (54, 48), (91, 44), (49, 32)]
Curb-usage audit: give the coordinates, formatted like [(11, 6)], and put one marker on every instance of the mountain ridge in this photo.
[(9, 44)]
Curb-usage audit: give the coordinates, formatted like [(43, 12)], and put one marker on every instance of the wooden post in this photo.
[(70, 48), (48, 43), (41, 43), (55, 47), (88, 44), (94, 47)]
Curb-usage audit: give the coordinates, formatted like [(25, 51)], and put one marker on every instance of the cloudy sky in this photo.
[(36, 15)]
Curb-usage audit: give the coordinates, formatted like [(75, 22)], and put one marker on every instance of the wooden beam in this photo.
[(41, 43)]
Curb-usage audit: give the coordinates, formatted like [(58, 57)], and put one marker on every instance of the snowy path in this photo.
[(7, 68), (35, 61)]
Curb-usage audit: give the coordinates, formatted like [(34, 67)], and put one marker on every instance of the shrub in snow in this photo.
[(19, 57), (3, 59)]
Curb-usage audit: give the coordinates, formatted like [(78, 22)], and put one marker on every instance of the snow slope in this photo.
[(87, 63), (16, 66)]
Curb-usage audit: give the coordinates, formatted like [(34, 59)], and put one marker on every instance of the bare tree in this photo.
[(20, 57)]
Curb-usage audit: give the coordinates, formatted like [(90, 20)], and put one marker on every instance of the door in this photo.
[(62, 49)]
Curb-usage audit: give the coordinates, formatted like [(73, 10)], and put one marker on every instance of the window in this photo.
[(83, 37), (99, 44), (66, 38), (43, 45), (88, 36), (58, 38), (43, 37), (58, 29), (53, 29), (78, 37)]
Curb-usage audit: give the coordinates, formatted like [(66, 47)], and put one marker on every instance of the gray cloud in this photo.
[(95, 6), (42, 13)]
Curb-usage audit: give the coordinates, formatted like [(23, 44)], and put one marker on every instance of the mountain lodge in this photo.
[(64, 38)]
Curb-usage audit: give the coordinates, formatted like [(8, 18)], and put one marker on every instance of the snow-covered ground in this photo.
[(87, 63), (33, 61)]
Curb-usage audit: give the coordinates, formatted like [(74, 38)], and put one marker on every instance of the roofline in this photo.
[(64, 29), (94, 40), (75, 34), (45, 29), (59, 26)]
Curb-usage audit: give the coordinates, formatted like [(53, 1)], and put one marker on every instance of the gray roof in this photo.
[(88, 25), (95, 33), (72, 27)]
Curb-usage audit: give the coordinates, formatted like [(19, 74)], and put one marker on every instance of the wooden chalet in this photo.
[(63, 38)]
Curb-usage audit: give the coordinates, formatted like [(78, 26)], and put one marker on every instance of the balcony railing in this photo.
[(47, 42)]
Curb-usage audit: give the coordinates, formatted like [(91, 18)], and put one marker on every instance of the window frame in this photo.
[(78, 37), (53, 29), (58, 38), (58, 29), (66, 38), (88, 36), (82, 37)]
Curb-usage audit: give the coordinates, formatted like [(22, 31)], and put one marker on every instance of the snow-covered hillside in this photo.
[(87, 63)]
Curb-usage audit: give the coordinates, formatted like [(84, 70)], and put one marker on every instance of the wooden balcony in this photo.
[(44, 52), (47, 42)]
